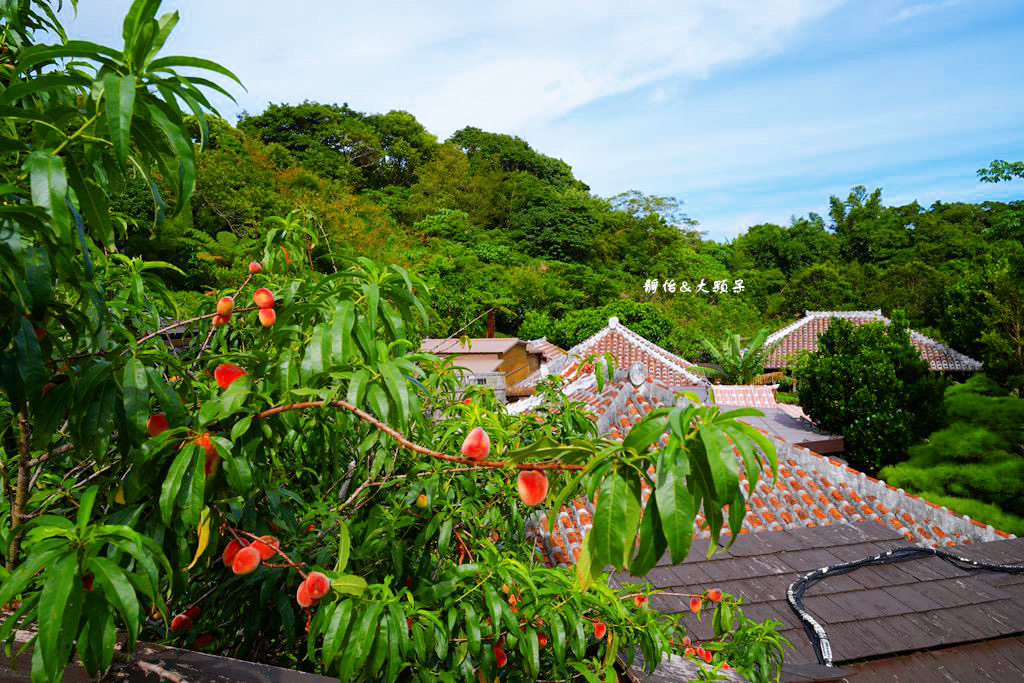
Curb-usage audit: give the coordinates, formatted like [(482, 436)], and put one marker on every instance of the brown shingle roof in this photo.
[(870, 612), (803, 336)]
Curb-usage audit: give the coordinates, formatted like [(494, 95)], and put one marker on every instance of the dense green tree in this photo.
[(820, 287), (978, 454), (448, 182), (1000, 170), (512, 154), (869, 384)]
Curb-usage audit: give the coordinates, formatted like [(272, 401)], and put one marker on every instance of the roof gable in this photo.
[(803, 336)]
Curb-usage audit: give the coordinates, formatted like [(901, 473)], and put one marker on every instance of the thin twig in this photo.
[(409, 445), (60, 450)]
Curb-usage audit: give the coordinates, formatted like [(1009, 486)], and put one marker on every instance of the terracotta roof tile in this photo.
[(803, 336)]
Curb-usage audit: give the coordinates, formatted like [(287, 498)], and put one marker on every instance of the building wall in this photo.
[(517, 364)]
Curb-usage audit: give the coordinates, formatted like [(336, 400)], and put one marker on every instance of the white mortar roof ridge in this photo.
[(674, 362)]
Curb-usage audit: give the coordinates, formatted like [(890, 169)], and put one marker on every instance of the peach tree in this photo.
[(282, 476)]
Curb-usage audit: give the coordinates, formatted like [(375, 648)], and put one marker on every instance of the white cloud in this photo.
[(917, 10), (500, 66)]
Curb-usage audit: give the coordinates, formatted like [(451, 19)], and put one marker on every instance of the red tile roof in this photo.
[(744, 395), (811, 490), (546, 349), (803, 336)]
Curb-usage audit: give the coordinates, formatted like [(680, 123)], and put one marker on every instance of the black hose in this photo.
[(816, 632)]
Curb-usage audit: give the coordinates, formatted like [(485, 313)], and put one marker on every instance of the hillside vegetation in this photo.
[(488, 221)]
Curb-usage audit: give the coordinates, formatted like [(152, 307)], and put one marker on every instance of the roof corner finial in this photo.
[(613, 322)]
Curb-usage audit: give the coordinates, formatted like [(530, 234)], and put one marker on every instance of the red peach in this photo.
[(231, 549), (181, 623), (318, 585), (40, 333), (302, 595), (421, 501), (477, 444), (500, 657), (221, 320), (267, 317), (266, 546), (263, 298), (193, 612), (600, 628), (255, 267), (533, 486), (707, 656), (695, 604), (157, 424), (542, 639), (467, 402), (226, 373), (225, 306), (202, 642), (206, 443), (640, 600), (246, 560), (211, 464), (715, 595), (87, 582), (48, 387)]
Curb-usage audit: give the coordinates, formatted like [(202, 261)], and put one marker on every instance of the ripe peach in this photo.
[(246, 560), (421, 501), (715, 595), (87, 582), (193, 612), (600, 628), (221, 320), (318, 585), (500, 658), (157, 424), (40, 333), (48, 387), (231, 549), (695, 604), (181, 623), (255, 267), (477, 444), (302, 595), (640, 600), (533, 486), (266, 546), (707, 656), (263, 298), (225, 306), (202, 642), (467, 401), (267, 317), (542, 639), (226, 373)]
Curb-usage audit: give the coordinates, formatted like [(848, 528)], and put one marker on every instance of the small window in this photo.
[(480, 380)]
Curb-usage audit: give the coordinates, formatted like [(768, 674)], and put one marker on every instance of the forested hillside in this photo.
[(488, 221)]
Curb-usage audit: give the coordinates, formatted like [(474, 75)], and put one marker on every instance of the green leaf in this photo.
[(50, 189), (652, 540), (722, 460), (119, 593), (359, 644), (38, 278), (349, 584), (172, 484), (85, 505), (165, 63), (29, 357), (357, 387), (646, 432), (472, 630), (615, 521), (558, 637), (344, 546), (92, 200), (378, 401), (341, 331), (167, 397), (397, 387), (136, 398), (335, 632), (60, 579), (675, 504)]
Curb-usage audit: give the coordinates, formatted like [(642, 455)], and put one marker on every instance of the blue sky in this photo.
[(748, 112)]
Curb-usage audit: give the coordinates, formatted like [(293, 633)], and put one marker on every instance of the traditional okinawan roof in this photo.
[(627, 347), (803, 336), (811, 490), (546, 349)]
